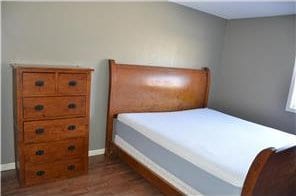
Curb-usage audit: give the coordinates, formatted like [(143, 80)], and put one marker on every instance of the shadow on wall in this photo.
[(99, 103), (7, 132)]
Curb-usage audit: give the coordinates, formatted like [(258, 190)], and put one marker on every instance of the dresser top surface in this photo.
[(42, 66)]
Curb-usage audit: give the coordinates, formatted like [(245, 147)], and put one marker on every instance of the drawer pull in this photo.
[(71, 167), (39, 83), (39, 131), (72, 106), (71, 127), (39, 107), (72, 83), (71, 148), (40, 152), (40, 173)]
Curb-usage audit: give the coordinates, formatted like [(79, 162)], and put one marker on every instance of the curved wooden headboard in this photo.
[(135, 88)]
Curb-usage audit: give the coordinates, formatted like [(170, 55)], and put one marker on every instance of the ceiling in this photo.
[(242, 9)]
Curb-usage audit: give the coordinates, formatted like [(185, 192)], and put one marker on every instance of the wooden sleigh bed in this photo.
[(156, 89)]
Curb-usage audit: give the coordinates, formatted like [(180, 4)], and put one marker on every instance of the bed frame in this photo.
[(136, 88)]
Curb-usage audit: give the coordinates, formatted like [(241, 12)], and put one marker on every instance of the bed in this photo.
[(158, 122)]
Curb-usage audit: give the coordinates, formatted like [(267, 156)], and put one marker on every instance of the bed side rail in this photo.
[(273, 172)]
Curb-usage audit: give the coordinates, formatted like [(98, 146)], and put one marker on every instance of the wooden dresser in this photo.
[(51, 121)]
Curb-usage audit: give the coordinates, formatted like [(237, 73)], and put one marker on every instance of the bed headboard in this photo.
[(134, 88)]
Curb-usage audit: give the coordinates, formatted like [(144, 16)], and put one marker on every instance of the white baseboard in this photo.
[(7, 166), (96, 152), (10, 166)]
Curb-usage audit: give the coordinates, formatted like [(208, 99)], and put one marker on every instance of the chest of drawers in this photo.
[(51, 121)]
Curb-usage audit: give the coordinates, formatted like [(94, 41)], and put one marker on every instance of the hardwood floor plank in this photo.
[(104, 178)]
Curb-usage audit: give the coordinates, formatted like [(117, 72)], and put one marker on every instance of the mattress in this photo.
[(219, 144), (182, 174)]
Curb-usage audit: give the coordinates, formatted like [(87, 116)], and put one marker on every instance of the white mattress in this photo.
[(220, 144)]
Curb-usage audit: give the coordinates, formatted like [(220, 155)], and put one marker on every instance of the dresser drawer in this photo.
[(52, 151), (38, 173), (35, 174), (72, 84), (71, 167), (45, 107), (38, 84), (51, 130)]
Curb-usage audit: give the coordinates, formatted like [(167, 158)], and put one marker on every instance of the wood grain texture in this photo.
[(51, 121), (46, 68), (72, 84), (149, 89), (45, 131), (272, 173), (49, 171), (39, 84), (164, 186), (52, 151), (52, 107), (136, 88), (105, 177)]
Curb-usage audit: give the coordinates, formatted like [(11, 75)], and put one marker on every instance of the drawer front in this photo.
[(46, 107), (38, 173), (72, 84), (71, 167), (73, 148), (35, 174), (52, 151), (39, 84), (51, 130)]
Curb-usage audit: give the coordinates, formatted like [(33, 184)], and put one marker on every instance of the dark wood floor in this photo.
[(104, 178)]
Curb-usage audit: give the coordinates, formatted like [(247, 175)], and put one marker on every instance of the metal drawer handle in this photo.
[(71, 127), (39, 83), (71, 148), (39, 131), (72, 106), (40, 152), (71, 167), (40, 173), (72, 83), (39, 107)]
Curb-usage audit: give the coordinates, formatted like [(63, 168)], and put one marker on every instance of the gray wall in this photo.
[(89, 33), (254, 79)]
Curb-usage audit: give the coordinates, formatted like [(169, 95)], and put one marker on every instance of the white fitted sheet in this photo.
[(220, 144)]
